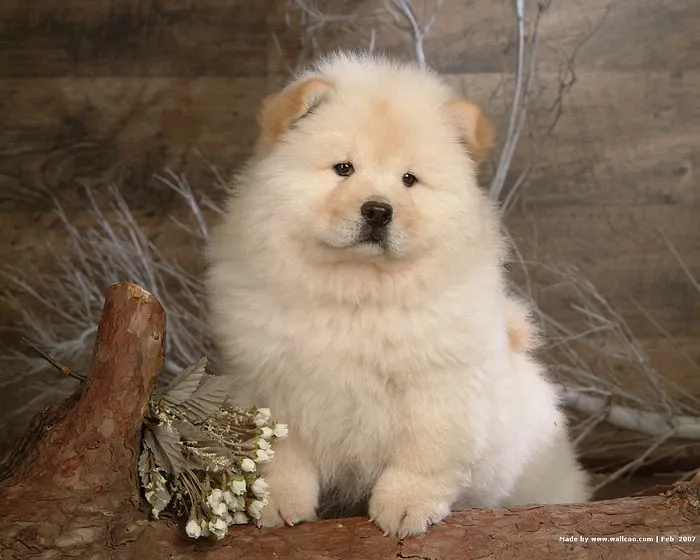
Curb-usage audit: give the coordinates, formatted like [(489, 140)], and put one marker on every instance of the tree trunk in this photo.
[(69, 488)]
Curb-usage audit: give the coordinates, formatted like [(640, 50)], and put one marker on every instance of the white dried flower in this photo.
[(218, 528), (237, 484), (262, 456), (193, 530), (234, 503), (214, 497), (280, 431), (255, 508), (205, 529), (262, 444), (240, 518), (220, 509), (247, 465), (266, 432), (260, 488), (262, 417), (229, 498)]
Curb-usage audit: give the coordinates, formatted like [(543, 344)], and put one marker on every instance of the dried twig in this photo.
[(651, 423), (593, 387), (524, 78), (404, 9), (66, 303)]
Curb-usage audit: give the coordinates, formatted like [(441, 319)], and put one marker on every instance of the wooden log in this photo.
[(69, 488), (74, 473)]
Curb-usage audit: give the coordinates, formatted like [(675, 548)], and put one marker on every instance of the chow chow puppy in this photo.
[(356, 288)]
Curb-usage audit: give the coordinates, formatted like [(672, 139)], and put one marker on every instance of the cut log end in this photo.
[(136, 292)]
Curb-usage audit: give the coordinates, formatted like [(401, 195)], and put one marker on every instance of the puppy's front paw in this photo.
[(291, 501), (401, 507)]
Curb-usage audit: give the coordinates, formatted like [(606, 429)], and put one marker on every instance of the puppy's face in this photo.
[(355, 173)]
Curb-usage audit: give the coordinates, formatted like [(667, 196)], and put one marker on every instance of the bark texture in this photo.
[(69, 487)]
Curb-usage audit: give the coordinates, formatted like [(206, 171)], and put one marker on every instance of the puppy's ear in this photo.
[(477, 133), (281, 110)]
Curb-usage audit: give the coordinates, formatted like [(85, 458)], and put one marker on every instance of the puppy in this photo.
[(356, 288)]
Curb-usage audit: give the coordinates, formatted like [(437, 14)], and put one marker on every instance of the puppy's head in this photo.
[(363, 159)]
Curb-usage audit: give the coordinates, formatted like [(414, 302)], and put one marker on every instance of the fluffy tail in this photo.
[(523, 334)]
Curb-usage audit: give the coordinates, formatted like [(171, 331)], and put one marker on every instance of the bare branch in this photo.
[(418, 31), (650, 423)]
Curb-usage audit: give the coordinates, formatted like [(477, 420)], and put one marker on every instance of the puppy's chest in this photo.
[(347, 367), (385, 342)]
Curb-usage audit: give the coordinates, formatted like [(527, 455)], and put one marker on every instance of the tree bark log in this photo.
[(69, 487), (73, 475)]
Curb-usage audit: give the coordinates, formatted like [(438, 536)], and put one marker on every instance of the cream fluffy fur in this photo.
[(402, 370)]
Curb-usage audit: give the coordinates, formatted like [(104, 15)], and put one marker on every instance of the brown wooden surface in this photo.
[(94, 38), (100, 91), (529, 532), (62, 134)]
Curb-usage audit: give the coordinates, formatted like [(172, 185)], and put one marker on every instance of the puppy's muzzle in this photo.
[(377, 214), (376, 217)]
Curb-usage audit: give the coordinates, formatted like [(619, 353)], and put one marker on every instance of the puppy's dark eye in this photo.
[(409, 179), (344, 169)]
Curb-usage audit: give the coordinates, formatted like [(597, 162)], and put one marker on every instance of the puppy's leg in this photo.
[(425, 475), (553, 476), (294, 486)]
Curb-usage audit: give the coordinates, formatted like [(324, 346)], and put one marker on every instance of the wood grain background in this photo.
[(95, 92)]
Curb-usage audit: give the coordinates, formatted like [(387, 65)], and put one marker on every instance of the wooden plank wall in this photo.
[(100, 91), (94, 91)]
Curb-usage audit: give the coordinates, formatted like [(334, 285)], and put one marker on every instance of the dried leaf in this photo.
[(186, 383), (190, 432), (199, 441), (153, 482), (144, 466), (160, 501), (207, 399), (164, 443)]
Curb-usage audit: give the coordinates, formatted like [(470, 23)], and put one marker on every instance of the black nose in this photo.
[(377, 214)]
